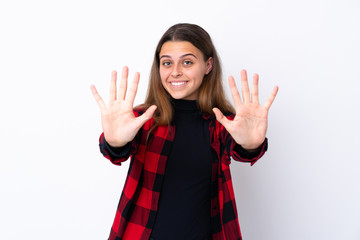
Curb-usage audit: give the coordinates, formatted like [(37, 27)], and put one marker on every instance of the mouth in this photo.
[(178, 83)]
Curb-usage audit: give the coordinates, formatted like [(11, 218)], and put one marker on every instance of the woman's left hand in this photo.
[(248, 128)]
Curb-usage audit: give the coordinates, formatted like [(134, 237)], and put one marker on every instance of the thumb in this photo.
[(146, 115), (220, 117)]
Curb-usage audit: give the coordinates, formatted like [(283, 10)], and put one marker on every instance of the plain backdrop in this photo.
[(55, 184)]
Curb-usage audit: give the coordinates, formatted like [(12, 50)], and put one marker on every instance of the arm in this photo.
[(116, 155), (119, 123), (249, 125), (238, 153)]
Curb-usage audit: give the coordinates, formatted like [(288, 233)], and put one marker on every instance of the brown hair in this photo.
[(211, 91)]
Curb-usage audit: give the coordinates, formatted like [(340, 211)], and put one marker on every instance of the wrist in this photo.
[(252, 147), (114, 144)]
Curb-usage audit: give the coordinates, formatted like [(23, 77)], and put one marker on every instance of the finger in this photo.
[(148, 114), (97, 97), (255, 89), (245, 87), (270, 100), (234, 91), (221, 118), (133, 88), (113, 87), (123, 83)]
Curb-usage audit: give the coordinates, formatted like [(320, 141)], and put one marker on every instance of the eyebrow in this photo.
[(182, 56)]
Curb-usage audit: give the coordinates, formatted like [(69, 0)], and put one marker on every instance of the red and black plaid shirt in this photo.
[(138, 204)]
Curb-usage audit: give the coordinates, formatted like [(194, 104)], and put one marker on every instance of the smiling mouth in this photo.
[(177, 84)]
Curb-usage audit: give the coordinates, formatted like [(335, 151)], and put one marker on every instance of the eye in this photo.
[(188, 62), (166, 63)]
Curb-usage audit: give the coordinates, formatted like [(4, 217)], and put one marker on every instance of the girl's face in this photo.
[(182, 69)]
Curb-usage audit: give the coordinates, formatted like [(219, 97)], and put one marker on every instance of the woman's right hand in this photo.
[(119, 123)]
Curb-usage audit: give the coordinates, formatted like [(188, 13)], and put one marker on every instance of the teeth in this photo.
[(177, 83)]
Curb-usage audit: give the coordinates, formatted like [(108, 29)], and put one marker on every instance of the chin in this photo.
[(177, 97), (184, 96)]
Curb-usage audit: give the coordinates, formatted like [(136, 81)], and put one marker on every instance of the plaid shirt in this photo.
[(138, 204)]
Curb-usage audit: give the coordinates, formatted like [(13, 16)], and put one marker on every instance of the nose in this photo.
[(176, 72)]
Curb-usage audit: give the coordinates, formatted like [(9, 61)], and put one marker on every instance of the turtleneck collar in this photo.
[(185, 105)]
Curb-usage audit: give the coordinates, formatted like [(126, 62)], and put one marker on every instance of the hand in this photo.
[(248, 128), (119, 123)]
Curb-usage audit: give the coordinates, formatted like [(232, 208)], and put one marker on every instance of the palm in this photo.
[(248, 128), (119, 123)]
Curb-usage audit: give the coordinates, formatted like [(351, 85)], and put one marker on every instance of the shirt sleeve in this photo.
[(115, 154), (238, 153)]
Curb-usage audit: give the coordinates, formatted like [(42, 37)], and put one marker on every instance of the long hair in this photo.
[(211, 91)]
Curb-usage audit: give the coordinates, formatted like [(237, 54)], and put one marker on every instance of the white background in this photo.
[(55, 184)]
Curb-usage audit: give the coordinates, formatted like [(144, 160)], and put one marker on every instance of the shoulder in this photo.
[(208, 116), (229, 115), (138, 111)]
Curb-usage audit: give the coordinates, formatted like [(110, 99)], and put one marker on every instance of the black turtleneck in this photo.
[(185, 199)]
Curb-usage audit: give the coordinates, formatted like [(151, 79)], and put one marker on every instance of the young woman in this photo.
[(180, 142)]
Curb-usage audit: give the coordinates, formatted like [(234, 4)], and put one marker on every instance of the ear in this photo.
[(209, 65)]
